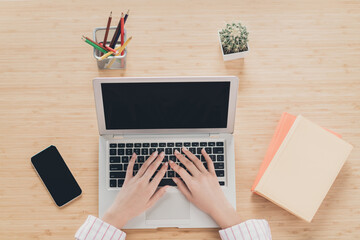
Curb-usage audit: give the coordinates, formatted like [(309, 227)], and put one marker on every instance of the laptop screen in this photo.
[(165, 105)]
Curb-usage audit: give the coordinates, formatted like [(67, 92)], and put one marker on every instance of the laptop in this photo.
[(148, 114)]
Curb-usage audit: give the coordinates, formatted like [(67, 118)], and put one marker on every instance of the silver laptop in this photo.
[(144, 115)]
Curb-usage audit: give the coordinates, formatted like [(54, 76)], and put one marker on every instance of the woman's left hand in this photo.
[(138, 192)]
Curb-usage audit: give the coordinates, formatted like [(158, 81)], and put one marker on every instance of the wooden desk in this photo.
[(304, 59)]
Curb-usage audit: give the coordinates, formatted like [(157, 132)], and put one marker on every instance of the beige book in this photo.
[(304, 168)]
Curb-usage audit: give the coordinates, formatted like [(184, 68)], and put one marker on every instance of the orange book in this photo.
[(282, 129)]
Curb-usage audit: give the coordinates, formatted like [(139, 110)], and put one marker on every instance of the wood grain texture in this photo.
[(304, 58)]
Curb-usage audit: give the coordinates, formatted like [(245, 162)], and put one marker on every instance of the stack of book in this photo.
[(301, 164)]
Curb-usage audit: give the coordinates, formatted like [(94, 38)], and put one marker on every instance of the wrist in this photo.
[(117, 220), (225, 217)]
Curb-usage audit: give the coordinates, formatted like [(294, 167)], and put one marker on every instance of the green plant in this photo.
[(234, 38)]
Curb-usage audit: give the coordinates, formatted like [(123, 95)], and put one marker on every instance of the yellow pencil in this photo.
[(118, 50)]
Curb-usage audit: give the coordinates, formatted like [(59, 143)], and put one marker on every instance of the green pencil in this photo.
[(94, 45)]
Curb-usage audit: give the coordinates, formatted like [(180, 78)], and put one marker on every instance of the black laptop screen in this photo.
[(165, 105)]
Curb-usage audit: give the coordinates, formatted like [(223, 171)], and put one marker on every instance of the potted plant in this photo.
[(234, 41)]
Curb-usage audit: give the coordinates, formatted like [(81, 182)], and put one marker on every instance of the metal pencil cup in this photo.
[(120, 61)]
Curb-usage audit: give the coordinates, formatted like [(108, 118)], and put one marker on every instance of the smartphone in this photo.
[(56, 176)]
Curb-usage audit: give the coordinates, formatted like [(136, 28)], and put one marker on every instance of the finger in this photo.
[(182, 172), (187, 163), (155, 182), (209, 161), (152, 168), (129, 171), (194, 159), (147, 164), (157, 195), (183, 188)]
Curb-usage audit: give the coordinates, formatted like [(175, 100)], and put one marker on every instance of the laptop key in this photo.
[(114, 159), (220, 173), (212, 157), (219, 165), (208, 150), (203, 159), (166, 158), (186, 144), (112, 183), (125, 159), (129, 145), (179, 150), (165, 182), (152, 150), (121, 145), (218, 150), (120, 182), (129, 151), (203, 144), (222, 183), (160, 150), (137, 151), (125, 166), (136, 167), (144, 151), (198, 150), (112, 145), (121, 151), (193, 150), (168, 151), (172, 158), (117, 174), (195, 144), (170, 144), (170, 174), (211, 144), (154, 144), (141, 159), (220, 158), (219, 144), (146, 145), (116, 167), (178, 144), (137, 145), (112, 151), (205, 165)]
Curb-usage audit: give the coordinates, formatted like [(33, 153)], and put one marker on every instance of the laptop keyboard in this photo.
[(120, 155)]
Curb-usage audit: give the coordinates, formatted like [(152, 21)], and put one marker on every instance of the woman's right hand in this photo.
[(202, 188)]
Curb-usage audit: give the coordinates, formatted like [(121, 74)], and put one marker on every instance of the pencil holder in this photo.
[(120, 61)]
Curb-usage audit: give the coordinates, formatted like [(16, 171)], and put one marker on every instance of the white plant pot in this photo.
[(232, 56)]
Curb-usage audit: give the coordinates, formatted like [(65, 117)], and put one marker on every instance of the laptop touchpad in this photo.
[(170, 206)]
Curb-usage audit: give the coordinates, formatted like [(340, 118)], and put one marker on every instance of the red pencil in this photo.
[(107, 29), (122, 31)]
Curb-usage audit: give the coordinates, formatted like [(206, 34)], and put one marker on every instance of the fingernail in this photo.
[(166, 164), (162, 154), (176, 151), (171, 162), (175, 180), (185, 149), (134, 154), (155, 153)]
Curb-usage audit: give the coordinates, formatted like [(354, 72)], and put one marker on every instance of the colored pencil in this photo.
[(98, 47), (107, 29), (126, 16), (116, 35), (104, 48), (118, 49), (122, 32)]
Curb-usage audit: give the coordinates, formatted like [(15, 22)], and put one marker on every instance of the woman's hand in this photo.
[(138, 193), (202, 188)]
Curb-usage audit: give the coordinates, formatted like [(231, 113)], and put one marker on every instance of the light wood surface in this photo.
[(304, 58)]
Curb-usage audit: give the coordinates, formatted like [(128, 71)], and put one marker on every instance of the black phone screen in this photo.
[(56, 176)]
